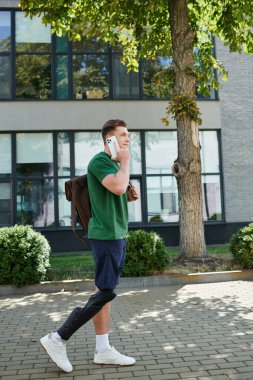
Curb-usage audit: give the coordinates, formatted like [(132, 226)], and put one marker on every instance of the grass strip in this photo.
[(79, 265)]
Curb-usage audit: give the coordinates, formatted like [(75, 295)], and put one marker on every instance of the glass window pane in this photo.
[(34, 154), (5, 154), (161, 151), (63, 154), (31, 34), (33, 76), (61, 44), (5, 31), (134, 208), (5, 204), (90, 76), (211, 195), (93, 45), (64, 205), (162, 198), (35, 202), (125, 85), (5, 77), (135, 151), (209, 152), (62, 80), (87, 144), (155, 75)]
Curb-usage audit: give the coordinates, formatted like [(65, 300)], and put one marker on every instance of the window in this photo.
[(46, 160), (35, 185), (33, 59), (211, 187), (162, 198), (34, 154), (5, 177), (62, 67), (156, 76), (5, 155), (90, 76), (134, 208), (87, 144), (5, 204), (125, 85), (162, 194), (5, 54), (64, 173), (46, 66)]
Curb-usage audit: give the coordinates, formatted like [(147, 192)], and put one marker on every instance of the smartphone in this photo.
[(112, 147)]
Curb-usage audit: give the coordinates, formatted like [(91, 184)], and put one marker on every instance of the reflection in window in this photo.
[(35, 202), (64, 205), (5, 77), (5, 204), (87, 144), (5, 154), (5, 31), (156, 74), (63, 154), (134, 208), (125, 85), (209, 152), (90, 76), (211, 197), (161, 151), (162, 198), (62, 82), (34, 154), (33, 76), (89, 45), (61, 44), (31, 34)]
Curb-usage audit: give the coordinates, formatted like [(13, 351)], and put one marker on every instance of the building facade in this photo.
[(54, 98)]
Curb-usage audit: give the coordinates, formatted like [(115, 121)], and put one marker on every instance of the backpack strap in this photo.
[(83, 238)]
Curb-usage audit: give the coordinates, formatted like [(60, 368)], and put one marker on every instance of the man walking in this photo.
[(109, 190)]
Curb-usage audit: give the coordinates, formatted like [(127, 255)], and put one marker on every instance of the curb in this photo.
[(130, 282)]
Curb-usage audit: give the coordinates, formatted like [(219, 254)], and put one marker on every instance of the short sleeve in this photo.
[(101, 167)]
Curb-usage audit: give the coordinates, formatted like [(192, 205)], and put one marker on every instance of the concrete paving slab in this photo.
[(193, 331)]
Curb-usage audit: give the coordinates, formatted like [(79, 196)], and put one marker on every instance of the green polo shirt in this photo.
[(109, 219)]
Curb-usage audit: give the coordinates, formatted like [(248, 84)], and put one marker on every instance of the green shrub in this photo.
[(241, 246), (24, 256), (146, 253)]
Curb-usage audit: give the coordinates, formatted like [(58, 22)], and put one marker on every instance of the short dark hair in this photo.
[(110, 125)]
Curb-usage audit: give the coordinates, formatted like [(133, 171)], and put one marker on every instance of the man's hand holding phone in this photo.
[(117, 154)]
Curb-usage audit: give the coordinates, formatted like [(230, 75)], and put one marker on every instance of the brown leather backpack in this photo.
[(76, 190)]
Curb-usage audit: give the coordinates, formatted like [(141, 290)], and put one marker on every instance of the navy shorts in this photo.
[(109, 257)]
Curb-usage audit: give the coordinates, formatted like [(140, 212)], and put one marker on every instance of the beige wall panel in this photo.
[(55, 115)]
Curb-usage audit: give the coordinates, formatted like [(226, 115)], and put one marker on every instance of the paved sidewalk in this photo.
[(201, 331)]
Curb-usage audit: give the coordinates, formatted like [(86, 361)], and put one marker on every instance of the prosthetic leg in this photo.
[(81, 315)]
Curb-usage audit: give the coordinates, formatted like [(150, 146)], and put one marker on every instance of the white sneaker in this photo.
[(112, 356), (56, 349)]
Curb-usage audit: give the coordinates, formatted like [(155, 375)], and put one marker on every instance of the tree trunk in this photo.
[(187, 167)]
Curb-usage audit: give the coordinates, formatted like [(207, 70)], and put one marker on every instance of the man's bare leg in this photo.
[(101, 320), (101, 323)]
